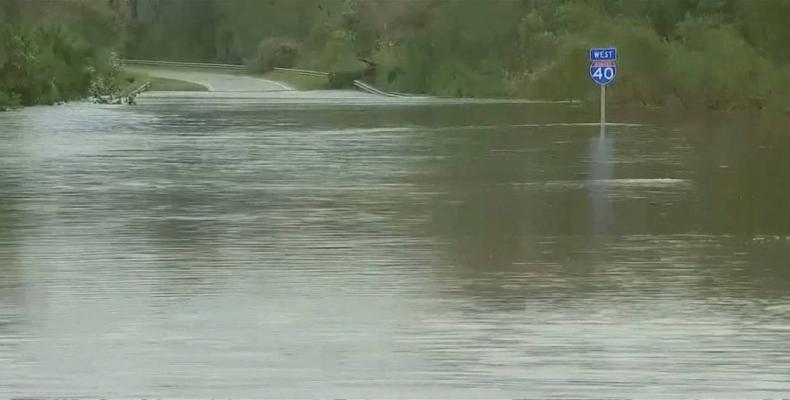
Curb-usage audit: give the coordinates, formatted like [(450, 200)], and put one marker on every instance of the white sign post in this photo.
[(603, 68), (603, 109)]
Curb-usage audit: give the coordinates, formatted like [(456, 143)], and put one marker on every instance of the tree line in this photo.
[(715, 54), (56, 50)]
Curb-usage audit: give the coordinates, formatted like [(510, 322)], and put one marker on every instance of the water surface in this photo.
[(335, 245)]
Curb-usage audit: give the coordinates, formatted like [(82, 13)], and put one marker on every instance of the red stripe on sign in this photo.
[(602, 63)]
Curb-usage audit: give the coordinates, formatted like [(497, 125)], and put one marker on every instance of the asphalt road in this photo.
[(215, 81)]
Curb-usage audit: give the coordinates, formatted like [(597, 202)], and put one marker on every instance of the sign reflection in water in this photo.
[(601, 149)]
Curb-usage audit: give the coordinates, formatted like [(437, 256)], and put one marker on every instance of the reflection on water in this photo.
[(284, 247), (600, 176)]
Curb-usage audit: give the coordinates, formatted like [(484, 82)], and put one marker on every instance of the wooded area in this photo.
[(715, 54)]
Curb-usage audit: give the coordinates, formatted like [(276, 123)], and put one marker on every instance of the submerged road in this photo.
[(236, 85), (215, 81), (231, 85)]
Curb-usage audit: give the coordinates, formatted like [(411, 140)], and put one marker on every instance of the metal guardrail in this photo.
[(184, 64), (366, 87), (370, 89), (219, 66), (140, 89), (359, 84), (303, 71)]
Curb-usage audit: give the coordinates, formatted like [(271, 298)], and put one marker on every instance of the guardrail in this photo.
[(366, 87), (184, 64), (302, 71), (219, 66), (358, 84), (370, 89), (140, 89)]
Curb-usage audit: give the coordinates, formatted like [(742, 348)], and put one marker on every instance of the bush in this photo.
[(274, 52), (51, 64), (22, 72), (454, 78), (779, 95), (338, 53), (642, 65), (714, 67), (402, 69), (387, 70), (64, 59), (8, 100), (344, 79), (707, 65), (536, 45), (565, 78)]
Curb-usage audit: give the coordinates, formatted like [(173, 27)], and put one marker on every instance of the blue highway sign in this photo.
[(603, 54), (603, 72)]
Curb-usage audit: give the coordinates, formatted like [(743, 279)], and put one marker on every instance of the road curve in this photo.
[(215, 81)]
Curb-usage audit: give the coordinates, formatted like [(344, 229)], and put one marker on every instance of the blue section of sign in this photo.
[(603, 73), (603, 54)]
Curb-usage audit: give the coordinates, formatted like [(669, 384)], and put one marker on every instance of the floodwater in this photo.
[(340, 245)]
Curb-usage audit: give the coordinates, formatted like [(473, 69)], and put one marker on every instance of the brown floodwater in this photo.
[(340, 245)]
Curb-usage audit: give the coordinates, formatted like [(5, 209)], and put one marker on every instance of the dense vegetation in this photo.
[(719, 54), (53, 51), (715, 54)]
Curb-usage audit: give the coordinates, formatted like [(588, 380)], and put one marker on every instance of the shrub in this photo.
[(21, 73), (708, 64), (344, 79), (8, 100), (338, 53), (274, 52), (455, 78), (51, 64), (713, 66), (64, 59), (565, 78)]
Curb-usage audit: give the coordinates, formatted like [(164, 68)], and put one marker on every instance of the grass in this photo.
[(132, 80), (175, 85), (299, 81), (139, 75)]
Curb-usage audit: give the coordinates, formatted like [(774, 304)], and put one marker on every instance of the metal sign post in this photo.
[(603, 109), (603, 68)]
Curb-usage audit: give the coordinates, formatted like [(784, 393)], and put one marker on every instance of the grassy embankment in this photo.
[(133, 79), (298, 81), (137, 75)]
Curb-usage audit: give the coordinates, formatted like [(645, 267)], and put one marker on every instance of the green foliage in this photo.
[(344, 79), (274, 52), (566, 77), (331, 49), (65, 60), (45, 55), (764, 25), (642, 65), (20, 74), (536, 45), (8, 100), (719, 54), (459, 79), (708, 64), (183, 30), (717, 68), (131, 79)]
